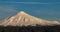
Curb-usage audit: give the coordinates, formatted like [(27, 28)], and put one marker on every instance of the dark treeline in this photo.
[(30, 28)]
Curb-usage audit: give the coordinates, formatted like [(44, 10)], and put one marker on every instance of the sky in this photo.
[(44, 9)]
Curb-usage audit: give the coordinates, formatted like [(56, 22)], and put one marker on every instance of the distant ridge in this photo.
[(24, 19)]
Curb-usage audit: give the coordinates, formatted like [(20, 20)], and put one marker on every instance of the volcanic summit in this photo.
[(24, 19)]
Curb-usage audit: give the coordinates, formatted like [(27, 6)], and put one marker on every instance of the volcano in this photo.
[(24, 19)]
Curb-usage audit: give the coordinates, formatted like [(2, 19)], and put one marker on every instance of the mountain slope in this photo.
[(24, 19)]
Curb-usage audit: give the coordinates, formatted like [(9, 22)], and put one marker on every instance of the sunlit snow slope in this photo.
[(24, 19)]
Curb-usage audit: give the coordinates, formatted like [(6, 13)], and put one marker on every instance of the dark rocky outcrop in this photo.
[(30, 28)]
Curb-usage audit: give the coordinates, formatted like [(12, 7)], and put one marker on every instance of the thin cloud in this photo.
[(28, 2), (6, 11), (35, 2)]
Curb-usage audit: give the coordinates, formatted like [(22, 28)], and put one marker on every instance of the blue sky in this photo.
[(45, 9)]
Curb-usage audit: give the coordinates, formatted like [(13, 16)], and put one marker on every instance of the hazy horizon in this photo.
[(45, 9)]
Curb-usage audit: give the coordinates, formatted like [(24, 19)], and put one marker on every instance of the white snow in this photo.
[(25, 19)]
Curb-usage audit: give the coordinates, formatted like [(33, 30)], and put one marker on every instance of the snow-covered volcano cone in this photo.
[(23, 19)]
